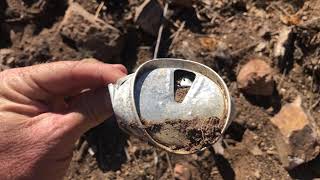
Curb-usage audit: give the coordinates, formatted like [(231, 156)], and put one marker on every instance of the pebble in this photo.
[(298, 136), (185, 171), (271, 152), (305, 18), (181, 172), (90, 33), (256, 151), (257, 174), (256, 78)]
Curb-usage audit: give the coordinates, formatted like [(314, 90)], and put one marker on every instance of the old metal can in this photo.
[(179, 105)]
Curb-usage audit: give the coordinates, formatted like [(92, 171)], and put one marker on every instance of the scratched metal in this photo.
[(147, 97)]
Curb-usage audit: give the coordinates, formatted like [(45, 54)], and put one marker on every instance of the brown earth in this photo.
[(181, 93), (199, 132), (222, 34)]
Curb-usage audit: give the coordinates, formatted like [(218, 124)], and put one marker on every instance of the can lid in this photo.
[(184, 106)]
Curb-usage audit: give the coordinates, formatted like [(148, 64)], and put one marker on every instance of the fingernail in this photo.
[(121, 67)]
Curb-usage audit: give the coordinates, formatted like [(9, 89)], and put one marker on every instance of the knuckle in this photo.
[(7, 78), (87, 106)]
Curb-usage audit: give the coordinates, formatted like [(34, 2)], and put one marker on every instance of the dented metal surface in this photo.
[(147, 99)]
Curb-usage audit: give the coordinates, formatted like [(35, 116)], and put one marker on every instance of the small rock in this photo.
[(91, 33), (257, 174), (148, 16), (91, 151), (256, 78), (185, 171), (304, 18), (255, 150), (246, 165), (181, 172), (298, 140)]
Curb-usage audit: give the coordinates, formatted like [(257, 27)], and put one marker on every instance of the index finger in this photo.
[(65, 77)]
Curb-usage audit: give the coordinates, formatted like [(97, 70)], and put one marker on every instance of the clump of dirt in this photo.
[(203, 133), (199, 132), (181, 93)]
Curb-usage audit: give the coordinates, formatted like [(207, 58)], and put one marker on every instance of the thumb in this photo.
[(88, 110)]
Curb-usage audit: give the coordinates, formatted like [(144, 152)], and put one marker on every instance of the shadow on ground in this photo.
[(307, 171), (110, 142)]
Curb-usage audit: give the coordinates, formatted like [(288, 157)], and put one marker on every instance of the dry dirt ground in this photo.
[(223, 34)]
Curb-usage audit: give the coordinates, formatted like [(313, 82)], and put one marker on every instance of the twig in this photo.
[(201, 129), (98, 10), (240, 51), (79, 142), (282, 78), (130, 146), (156, 158), (176, 34), (226, 143), (170, 164), (82, 151), (156, 50), (127, 154), (238, 68), (312, 96), (156, 161), (314, 105)]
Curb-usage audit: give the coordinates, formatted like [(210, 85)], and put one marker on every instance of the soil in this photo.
[(181, 93), (200, 132), (180, 89), (224, 35)]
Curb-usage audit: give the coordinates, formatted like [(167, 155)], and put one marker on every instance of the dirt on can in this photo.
[(199, 132)]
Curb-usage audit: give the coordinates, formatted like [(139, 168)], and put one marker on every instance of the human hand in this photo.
[(44, 109)]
